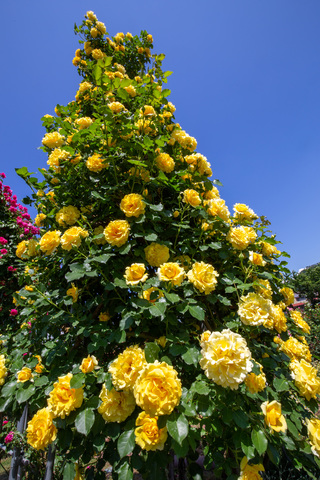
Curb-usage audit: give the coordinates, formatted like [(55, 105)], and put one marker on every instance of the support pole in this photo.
[(50, 462), (16, 470)]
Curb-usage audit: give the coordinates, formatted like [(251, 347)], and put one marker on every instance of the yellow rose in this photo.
[(67, 216), (216, 207), (96, 163), (148, 435), (147, 294), (97, 54), (263, 288), (73, 292), (171, 272), (255, 383), (305, 378), (116, 107), (38, 221), (250, 472), (126, 368), (101, 27), (117, 232), (158, 389), (147, 111), (243, 212), (268, 249), (256, 259), (131, 90), (104, 317), (226, 359), (132, 205), (3, 369), (156, 254), (314, 435), (53, 140), (191, 197), (99, 231), (22, 249), (273, 417), (298, 320), (288, 295), (199, 163), (241, 237), (116, 406), (63, 399), (24, 375), (50, 241), (88, 364), (165, 163), (296, 350), (135, 274), (203, 276), (84, 122), (91, 16), (72, 237), (40, 430)]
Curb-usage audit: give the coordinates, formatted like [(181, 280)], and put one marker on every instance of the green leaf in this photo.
[(102, 258), (225, 301), (152, 237), (281, 384), (25, 393), (4, 403), (172, 297), (273, 454), (77, 381), (201, 387), (260, 441), (8, 389), (178, 427), (246, 446), (22, 172), (126, 322), (126, 443), (151, 352), (84, 421), (197, 312), (125, 472), (69, 471), (43, 380), (158, 309), (191, 356), (240, 418), (156, 208)]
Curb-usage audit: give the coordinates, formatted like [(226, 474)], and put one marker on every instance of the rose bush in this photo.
[(150, 321)]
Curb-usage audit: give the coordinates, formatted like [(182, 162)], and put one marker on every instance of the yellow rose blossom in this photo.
[(313, 426), (198, 163), (226, 359), (131, 90), (67, 216), (104, 317), (243, 212), (250, 472), (241, 237), (218, 208), (63, 399), (255, 383), (165, 163), (161, 341), (94, 32), (101, 27), (88, 364), (79, 473), (132, 205), (305, 378), (53, 140), (298, 320), (28, 288), (39, 368), (3, 369), (156, 254), (263, 288), (22, 249), (145, 126), (117, 232), (38, 221), (116, 107), (147, 111), (278, 318), (72, 237), (176, 214), (91, 16), (98, 54), (116, 406), (24, 375), (148, 435), (256, 259), (153, 292), (273, 417), (268, 249), (50, 242), (180, 136), (158, 389), (40, 430), (83, 122), (288, 295), (126, 368), (135, 274), (73, 292), (203, 276), (171, 272), (296, 350), (142, 173), (205, 336), (211, 194), (99, 231), (96, 163), (254, 309), (191, 197)]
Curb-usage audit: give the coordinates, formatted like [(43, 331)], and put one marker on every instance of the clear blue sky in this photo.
[(245, 83)]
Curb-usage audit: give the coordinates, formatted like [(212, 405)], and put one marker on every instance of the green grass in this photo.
[(4, 462)]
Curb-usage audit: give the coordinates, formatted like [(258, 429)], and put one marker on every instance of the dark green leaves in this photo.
[(259, 441), (151, 352), (178, 427), (85, 421), (126, 443)]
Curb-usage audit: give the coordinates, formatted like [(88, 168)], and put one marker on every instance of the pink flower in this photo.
[(3, 241), (11, 269), (14, 312), (3, 251), (2, 175), (9, 437), (5, 422)]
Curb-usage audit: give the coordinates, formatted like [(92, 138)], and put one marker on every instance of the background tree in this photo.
[(307, 283)]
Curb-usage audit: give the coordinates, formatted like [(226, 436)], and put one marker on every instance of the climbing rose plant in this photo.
[(158, 318)]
